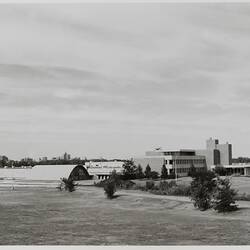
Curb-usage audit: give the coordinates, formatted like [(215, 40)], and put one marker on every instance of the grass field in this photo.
[(46, 216)]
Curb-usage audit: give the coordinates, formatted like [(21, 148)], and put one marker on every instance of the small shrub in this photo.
[(171, 176), (140, 187), (127, 184), (110, 188), (150, 185), (166, 185), (180, 190), (67, 184), (171, 188), (224, 196)]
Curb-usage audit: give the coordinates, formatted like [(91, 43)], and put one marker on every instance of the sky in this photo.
[(116, 80)]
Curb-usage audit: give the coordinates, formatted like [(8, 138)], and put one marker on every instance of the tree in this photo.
[(150, 185), (192, 170), (114, 176), (129, 170), (224, 196), (110, 188), (202, 188), (148, 172), (139, 172), (4, 161), (154, 175), (164, 172)]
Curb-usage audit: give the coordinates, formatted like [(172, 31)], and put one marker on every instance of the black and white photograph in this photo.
[(125, 124)]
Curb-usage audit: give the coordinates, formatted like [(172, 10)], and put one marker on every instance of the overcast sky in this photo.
[(116, 80)]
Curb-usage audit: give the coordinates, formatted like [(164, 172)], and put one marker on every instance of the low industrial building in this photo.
[(46, 172), (102, 169), (236, 169), (176, 161), (91, 170)]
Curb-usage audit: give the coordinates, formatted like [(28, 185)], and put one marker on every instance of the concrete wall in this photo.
[(212, 156), (247, 171)]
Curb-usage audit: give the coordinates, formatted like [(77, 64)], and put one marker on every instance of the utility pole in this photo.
[(176, 177)]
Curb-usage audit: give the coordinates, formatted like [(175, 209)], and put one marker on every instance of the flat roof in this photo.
[(172, 150), (239, 165)]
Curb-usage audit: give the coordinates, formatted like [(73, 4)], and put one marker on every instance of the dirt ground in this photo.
[(46, 216)]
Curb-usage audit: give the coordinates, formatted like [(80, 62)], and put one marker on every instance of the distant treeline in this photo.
[(5, 162)]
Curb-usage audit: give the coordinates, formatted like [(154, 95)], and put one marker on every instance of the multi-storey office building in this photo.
[(216, 154), (176, 161)]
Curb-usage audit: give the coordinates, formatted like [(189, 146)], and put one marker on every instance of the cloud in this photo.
[(93, 78)]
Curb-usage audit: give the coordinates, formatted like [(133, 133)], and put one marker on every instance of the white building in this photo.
[(216, 153), (178, 161), (103, 169)]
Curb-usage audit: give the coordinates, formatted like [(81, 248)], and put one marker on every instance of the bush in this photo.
[(117, 179), (171, 176), (180, 190), (202, 188), (171, 188), (127, 184), (220, 170), (150, 185), (224, 196), (67, 184), (110, 188), (166, 185), (140, 187)]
